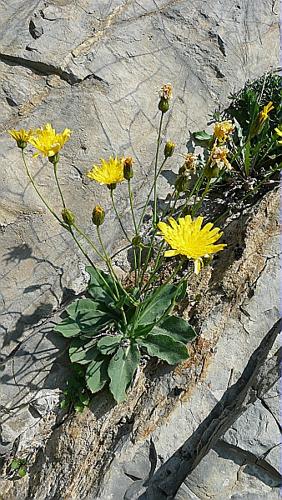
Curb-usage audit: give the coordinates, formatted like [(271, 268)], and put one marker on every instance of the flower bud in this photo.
[(136, 241), (163, 105), (127, 168), (68, 216), (211, 171), (182, 183), (98, 215), (169, 149)]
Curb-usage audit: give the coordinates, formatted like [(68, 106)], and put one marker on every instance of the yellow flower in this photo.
[(187, 237), (218, 158), (109, 172), (21, 136), (265, 112), (279, 133), (47, 141), (222, 130)]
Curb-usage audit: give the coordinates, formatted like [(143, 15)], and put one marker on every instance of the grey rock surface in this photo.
[(95, 66)]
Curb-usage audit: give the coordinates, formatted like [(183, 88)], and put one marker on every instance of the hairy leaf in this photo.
[(177, 328), (83, 352), (68, 328), (96, 374), (165, 347), (108, 345), (121, 370), (156, 305)]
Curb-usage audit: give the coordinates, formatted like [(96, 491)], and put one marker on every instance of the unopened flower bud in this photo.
[(98, 215), (127, 168), (169, 149), (211, 171), (68, 216), (182, 183), (136, 241), (164, 105)]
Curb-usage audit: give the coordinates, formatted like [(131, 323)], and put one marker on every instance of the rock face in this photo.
[(95, 67)]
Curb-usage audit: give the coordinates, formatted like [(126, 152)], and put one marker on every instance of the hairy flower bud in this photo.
[(98, 215), (136, 241), (169, 149), (68, 216), (182, 183), (211, 171), (127, 168), (164, 105)]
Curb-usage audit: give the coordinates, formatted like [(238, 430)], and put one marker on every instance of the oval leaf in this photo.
[(165, 347), (108, 345), (96, 375), (68, 328), (121, 370), (83, 352), (156, 304), (177, 328)]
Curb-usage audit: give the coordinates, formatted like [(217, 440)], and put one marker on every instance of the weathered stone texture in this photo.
[(95, 67)]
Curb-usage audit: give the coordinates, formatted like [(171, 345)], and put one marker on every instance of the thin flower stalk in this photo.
[(118, 216), (156, 169)]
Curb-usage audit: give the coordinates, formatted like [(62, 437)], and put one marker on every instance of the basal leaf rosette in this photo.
[(187, 237)]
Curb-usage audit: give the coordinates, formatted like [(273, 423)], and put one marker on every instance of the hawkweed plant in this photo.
[(117, 323)]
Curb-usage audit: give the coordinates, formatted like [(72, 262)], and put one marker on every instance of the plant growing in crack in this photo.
[(118, 321)]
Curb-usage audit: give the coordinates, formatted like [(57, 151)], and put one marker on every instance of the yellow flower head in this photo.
[(48, 142), (110, 172), (265, 111), (278, 131), (222, 130), (21, 136), (187, 237), (166, 91), (218, 158)]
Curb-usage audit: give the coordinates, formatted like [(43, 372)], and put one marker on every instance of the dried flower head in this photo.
[(187, 237), (48, 142), (189, 165), (218, 158), (127, 168), (166, 91), (222, 130)]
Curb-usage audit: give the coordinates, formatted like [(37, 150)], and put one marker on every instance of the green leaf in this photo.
[(101, 285), (202, 138), (108, 345), (165, 347), (156, 305), (177, 328), (81, 306), (181, 290), (83, 352), (121, 370), (96, 375), (68, 328), (84, 399), (16, 463), (22, 471)]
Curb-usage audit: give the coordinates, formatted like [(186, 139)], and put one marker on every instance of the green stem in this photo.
[(118, 217), (37, 190), (199, 203), (111, 271), (58, 184), (156, 170), (136, 263), (79, 231), (148, 196)]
